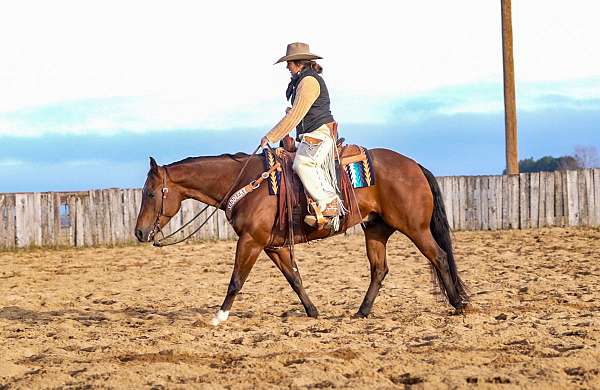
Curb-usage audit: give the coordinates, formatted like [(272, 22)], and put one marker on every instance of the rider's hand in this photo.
[(287, 110), (264, 142)]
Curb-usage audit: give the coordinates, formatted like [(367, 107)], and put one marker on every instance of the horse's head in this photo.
[(161, 200)]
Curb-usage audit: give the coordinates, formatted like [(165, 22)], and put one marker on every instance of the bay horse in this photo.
[(406, 198)]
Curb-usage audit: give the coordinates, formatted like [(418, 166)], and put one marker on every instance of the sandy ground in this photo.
[(139, 317)]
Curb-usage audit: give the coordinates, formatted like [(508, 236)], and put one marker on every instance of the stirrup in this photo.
[(313, 221), (318, 218)]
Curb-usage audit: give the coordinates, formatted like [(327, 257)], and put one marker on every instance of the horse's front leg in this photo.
[(246, 253), (284, 261)]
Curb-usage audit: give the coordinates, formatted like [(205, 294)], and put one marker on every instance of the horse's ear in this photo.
[(153, 165)]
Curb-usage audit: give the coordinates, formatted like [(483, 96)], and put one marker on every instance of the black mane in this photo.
[(235, 157)]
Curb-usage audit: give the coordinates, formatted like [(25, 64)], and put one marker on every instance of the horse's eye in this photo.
[(148, 193)]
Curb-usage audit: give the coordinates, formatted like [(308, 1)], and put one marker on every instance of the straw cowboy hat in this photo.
[(298, 51)]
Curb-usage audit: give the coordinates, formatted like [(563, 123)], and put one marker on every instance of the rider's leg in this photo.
[(311, 165)]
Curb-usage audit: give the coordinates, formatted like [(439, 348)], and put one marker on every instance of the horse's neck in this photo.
[(207, 180)]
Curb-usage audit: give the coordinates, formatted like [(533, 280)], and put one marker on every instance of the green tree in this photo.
[(547, 164)]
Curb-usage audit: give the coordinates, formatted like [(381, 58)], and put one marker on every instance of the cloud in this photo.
[(139, 115), (488, 98)]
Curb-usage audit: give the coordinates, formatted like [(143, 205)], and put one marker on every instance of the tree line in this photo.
[(583, 157)]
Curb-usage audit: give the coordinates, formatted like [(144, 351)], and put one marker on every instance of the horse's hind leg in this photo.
[(428, 246), (283, 260), (246, 253), (377, 234)]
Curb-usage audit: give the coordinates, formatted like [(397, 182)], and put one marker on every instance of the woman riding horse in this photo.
[(311, 116), (406, 198)]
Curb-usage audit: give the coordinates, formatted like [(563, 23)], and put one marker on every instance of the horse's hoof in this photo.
[(313, 314), (221, 316), (360, 315)]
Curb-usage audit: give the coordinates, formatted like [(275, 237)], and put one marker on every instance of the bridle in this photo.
[(161, 212), (165, 190)]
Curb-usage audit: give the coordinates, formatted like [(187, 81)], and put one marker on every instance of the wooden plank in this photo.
[(56, 230), (51, 234), (133, 211), (72, 202), (499, 194), (469, 205), (455, 204), (596, 197), (138, 202), (205, 231), (118, 227), (99, 238), (106, 222), (485, 203), (534, 200), (524, 211), (3, 221), (8, 221), (462, 200), (589, 196), (79, 222), (196, 209), (187, 213), (542, 200), (572, 204), (504, 223), (476, 203), (582, 195), (21, 207), (559, 199), (44, 220), (492, 205), (127, 229), (88, 220), (92, 234), (36, 218), (448, 201), (549, 202), (513, 207), (174, 224), (212, 227)]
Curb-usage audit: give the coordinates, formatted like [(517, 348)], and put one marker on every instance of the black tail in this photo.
[(441, 232)]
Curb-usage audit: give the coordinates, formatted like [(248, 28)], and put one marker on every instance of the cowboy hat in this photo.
[(297, 51)]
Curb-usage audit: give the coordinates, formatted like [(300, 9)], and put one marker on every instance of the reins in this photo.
[(165, 190)]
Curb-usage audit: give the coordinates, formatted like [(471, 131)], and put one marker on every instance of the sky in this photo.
[(89, 90)]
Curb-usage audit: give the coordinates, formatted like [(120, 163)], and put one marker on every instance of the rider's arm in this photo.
[(308, 91)]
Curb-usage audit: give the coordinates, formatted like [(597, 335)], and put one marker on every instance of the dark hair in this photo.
[(309, 64)]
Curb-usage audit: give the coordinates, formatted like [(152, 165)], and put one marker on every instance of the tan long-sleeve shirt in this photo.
[(307, 91)]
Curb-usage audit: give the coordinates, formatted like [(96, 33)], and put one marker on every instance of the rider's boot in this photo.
[(322, 218)]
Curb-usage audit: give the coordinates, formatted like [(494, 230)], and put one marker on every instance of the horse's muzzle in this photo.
[(143, 236)]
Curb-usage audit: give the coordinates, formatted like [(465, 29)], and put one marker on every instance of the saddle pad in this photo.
[(360, 172), (275, 177)]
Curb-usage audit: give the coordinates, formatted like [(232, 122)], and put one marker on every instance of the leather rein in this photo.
[(165, 190)]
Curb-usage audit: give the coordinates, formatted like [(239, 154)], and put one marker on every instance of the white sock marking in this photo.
[(221, 316)]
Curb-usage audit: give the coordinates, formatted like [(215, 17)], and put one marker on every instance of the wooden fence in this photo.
[(107, 217)]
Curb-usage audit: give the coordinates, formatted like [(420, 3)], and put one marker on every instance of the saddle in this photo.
[(293, 202)]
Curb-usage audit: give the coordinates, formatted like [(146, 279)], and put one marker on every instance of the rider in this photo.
[(310, 114)]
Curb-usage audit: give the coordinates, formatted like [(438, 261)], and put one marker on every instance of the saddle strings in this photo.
[(159, 243)]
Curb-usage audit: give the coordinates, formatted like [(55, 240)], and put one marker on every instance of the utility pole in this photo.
[(510, 116)]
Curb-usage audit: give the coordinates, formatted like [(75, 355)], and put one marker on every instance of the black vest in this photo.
[(319, 113)]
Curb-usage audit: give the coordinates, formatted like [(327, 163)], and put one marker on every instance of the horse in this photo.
[(406, 198)]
